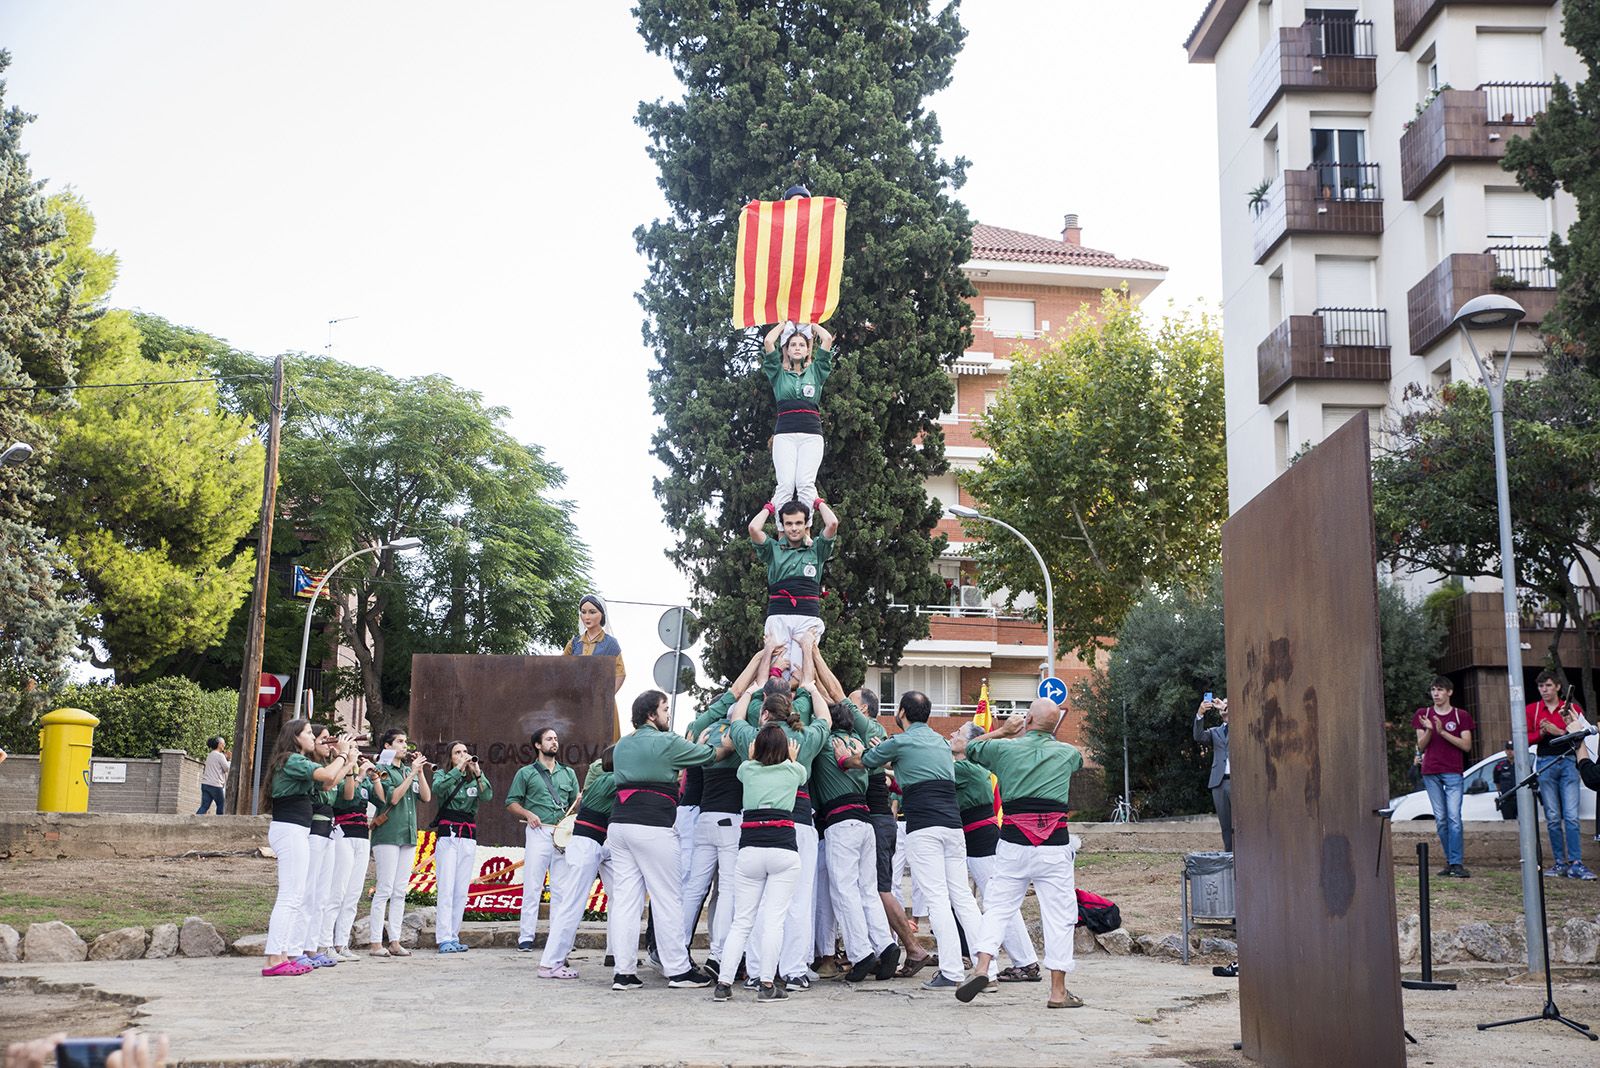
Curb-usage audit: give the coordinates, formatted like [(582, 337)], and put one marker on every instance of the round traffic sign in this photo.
[(1054, 689), (271, 690), (664, 676), (668, 628)]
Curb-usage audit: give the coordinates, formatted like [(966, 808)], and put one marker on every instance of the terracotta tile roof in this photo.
[(998, 243)]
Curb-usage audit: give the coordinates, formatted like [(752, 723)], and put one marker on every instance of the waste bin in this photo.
[(66, 743), (1207, 891)]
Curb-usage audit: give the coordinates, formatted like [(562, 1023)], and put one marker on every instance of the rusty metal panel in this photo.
[(1319, 971), (495, 703)]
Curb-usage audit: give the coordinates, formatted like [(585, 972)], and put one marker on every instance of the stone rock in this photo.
[(420, 919), (197, 938), (10, 945), (1575, 942), (125, 943), (254, 945), (359, 931), (1083, 942), (52, 943), (1224, 947), (1410, 938), (476, 937), (411, 938), (1447, 948), (163, 942), (1166, 946), (1118, 943), (1483, 941)]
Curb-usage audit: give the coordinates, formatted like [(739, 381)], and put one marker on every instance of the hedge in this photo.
[(135, 721)]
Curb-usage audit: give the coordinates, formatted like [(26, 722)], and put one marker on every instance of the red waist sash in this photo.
[(1036, 827)]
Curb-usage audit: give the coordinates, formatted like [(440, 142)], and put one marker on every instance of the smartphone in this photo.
[(386, 757), (86, 1052), (1207, 696)]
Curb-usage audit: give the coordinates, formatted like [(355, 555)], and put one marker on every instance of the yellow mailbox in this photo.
[(66, 742)]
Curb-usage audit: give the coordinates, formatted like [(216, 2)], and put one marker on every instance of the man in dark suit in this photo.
[(1221, 781)]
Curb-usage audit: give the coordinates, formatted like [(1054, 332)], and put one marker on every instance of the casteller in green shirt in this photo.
[(1034, 765), (547, 801)]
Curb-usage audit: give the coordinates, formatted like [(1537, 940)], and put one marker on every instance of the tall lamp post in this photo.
[(1488, 312), (17, 452), (964, 512)]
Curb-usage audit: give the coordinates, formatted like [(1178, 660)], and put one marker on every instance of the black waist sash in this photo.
[(768, 828), (694, 780), (321, 819), (295, 810), (978, 824), (456, 823), (843, 808), (591, 824), (1034, 821), (803, 812), (647, 804), (878, 794), (799, 416), (722, 791), (931, 803), (795, 596)]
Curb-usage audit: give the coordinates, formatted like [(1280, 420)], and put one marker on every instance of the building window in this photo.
[(1336, 416), (1339, 156), (1275, 297), (1010, 318), (1434, 242), (1515, 217), (886, 692), (1280, 442), (991, 397), (1510, 56)]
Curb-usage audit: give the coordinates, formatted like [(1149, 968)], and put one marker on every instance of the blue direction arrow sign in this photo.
[(1054, 689)]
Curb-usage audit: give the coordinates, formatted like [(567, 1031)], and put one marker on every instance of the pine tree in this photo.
[(832, 96), (1559, 153)]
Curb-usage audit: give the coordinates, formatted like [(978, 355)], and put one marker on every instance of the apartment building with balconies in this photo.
[(1362, 203), (1028, 287)]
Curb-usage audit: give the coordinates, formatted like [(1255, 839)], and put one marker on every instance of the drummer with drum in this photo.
[(541, 795)]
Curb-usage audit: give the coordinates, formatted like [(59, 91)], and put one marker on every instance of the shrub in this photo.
[(138, 721)]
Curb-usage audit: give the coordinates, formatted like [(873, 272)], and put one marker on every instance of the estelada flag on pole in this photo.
[(983, 718), (791, 254)]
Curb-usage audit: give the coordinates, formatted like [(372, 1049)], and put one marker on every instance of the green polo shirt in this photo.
[(828, 780), (343, 806), (648, 755), (294, 779), (771, 785), (401, 827), (599, 789), (463, 794), (785, 561), (918, 753), (716, 710), (528, 789), (798, 389), (810, 738), (1034, 765), (973, 785)]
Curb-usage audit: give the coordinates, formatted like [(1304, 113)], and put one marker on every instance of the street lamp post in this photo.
[(965, 512), (1487, 313), (17, 452)]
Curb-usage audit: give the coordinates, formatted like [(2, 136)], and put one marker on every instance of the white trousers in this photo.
[(539, 859), (1050, 870), (393, 864), (897, 874), (824, 929), (454, 860), (853, 885), (716, 853), (319, 886), (583, 860), (644, 860), (794, 955), (788, 628), (766, 879), (352, 862), (938, 860), (795, 460), (291, 845), (683, 826), (1018, 945)]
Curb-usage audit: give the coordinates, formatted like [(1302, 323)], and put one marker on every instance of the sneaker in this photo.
[(1576, 870), (525, 947), (655, 960), (796, 982), (626, 982), (752, 983), (694, 977), (343, 953), (861, 968), (1558, 870), (771, 992), (1447, 872), (1462, 872), (712, 965), (723, 992), (888, 962), (940, 981)]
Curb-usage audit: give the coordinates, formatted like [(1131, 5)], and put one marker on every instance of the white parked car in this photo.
[(1478, 791)]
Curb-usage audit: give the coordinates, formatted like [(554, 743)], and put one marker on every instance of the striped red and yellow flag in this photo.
[(791, 254)]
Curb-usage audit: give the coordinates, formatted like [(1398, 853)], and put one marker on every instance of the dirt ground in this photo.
[(33, 1010)]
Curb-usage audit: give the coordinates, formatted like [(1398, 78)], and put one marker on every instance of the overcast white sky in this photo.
[(466, 178)]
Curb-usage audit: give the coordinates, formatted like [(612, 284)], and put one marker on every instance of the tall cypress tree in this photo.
[(830, 95)]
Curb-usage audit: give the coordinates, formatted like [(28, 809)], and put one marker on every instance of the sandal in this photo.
[(1071, 1001), (397, 950), (913, 965), (560, 971), (1026, 974), (377, 950)]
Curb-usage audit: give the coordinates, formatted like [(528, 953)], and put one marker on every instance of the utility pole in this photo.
[(241, 776)]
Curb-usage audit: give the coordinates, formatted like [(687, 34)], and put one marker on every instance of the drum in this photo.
[(563, 832)]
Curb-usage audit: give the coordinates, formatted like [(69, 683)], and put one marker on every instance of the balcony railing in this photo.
[(987, 611), (1522, 267), (1432, 303), (1412, 17), (1337, 344), (1466, 124), (1342, 37), (1325, 198), (986, 323)]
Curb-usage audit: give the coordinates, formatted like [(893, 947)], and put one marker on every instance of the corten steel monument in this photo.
[(494, 703), (1319, 970)]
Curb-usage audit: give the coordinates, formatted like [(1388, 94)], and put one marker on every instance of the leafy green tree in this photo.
[(153, 488), (140, 720), (1434, 489), (831, 95), (1171, 650), (39, 314), (1108, 453), (1559, 153)]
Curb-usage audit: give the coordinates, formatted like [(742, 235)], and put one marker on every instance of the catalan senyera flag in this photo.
[(791, 254), (983, 718)]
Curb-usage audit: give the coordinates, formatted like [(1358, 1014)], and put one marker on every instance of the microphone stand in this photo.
[(1550, 1011)]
